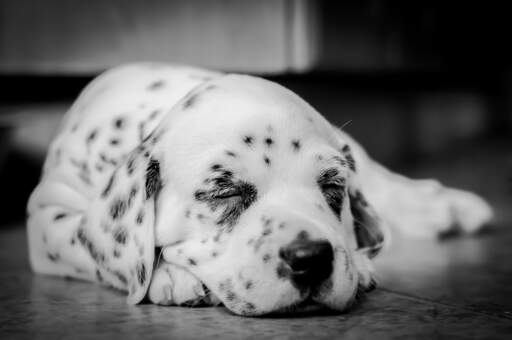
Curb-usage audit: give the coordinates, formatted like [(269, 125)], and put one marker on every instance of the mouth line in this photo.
[(307, 307)]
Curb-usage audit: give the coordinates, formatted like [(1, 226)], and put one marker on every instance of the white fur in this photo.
[(190, 140)]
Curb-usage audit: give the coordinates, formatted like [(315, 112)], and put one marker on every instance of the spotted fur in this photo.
[(191, 187)]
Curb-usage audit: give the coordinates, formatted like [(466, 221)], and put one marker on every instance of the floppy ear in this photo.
[(119, 231), (368, 227)]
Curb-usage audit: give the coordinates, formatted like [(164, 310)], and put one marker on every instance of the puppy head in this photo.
[(259, 199)]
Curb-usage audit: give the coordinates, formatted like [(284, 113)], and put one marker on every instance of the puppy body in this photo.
[(234, 178)]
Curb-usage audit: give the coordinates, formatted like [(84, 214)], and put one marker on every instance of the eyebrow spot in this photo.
[(192, 100), (348, 156), (119, 123), (156, 85), (153, 114), (248, 140), (266, 160), (230, 153), (59, 216), (296, 145), (92, 135), (269, 141)]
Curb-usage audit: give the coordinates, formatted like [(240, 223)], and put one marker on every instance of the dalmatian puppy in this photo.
[(191, 187)]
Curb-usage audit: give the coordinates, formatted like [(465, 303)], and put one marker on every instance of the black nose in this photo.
[(310, 261)]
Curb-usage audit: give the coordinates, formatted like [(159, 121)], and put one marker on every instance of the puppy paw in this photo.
[(469, 211), (173, 285), (446, 212)]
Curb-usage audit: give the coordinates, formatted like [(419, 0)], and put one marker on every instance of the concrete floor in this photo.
[(457, 288)]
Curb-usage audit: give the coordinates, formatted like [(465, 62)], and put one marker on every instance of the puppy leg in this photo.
[(418, 208), (426, 208), (52, 227), (173, 285)]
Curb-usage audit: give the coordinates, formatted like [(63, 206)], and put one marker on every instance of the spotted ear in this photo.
[(367, 225), (119, 232)]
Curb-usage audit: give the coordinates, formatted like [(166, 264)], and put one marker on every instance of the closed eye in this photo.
[(332, 187), (227, 193)]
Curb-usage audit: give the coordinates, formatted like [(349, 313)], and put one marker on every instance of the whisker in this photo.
[(345, 124)]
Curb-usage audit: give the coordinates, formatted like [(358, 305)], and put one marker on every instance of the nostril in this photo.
[(310, 261)]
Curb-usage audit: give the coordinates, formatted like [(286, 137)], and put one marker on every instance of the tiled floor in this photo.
[(455, 288)]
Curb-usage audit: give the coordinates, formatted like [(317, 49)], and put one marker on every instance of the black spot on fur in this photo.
[(192, 262), (59, 216), (120, 235), (133, 192), (266, 258), (91, 136), (118, 208), (54, 257), (154, 114), (214, 254), (216, 167), (269, 141), (97, 255), (210, 87), (142, 128), (248, 284), (116, 253), (248, 140), (267, 221), (99, 277), (231, 296), (249, 308), (140, 217), (120, 276), (108, 188), (141, 273), (130, 164), (153, 181), (296, 145), (348, 156), (104, 158), (266, 160), (191, 101), (119, 123), (156, 85), (114, 141), (230, 153)]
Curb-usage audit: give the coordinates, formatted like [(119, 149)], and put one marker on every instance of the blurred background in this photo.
[(423, 85)]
